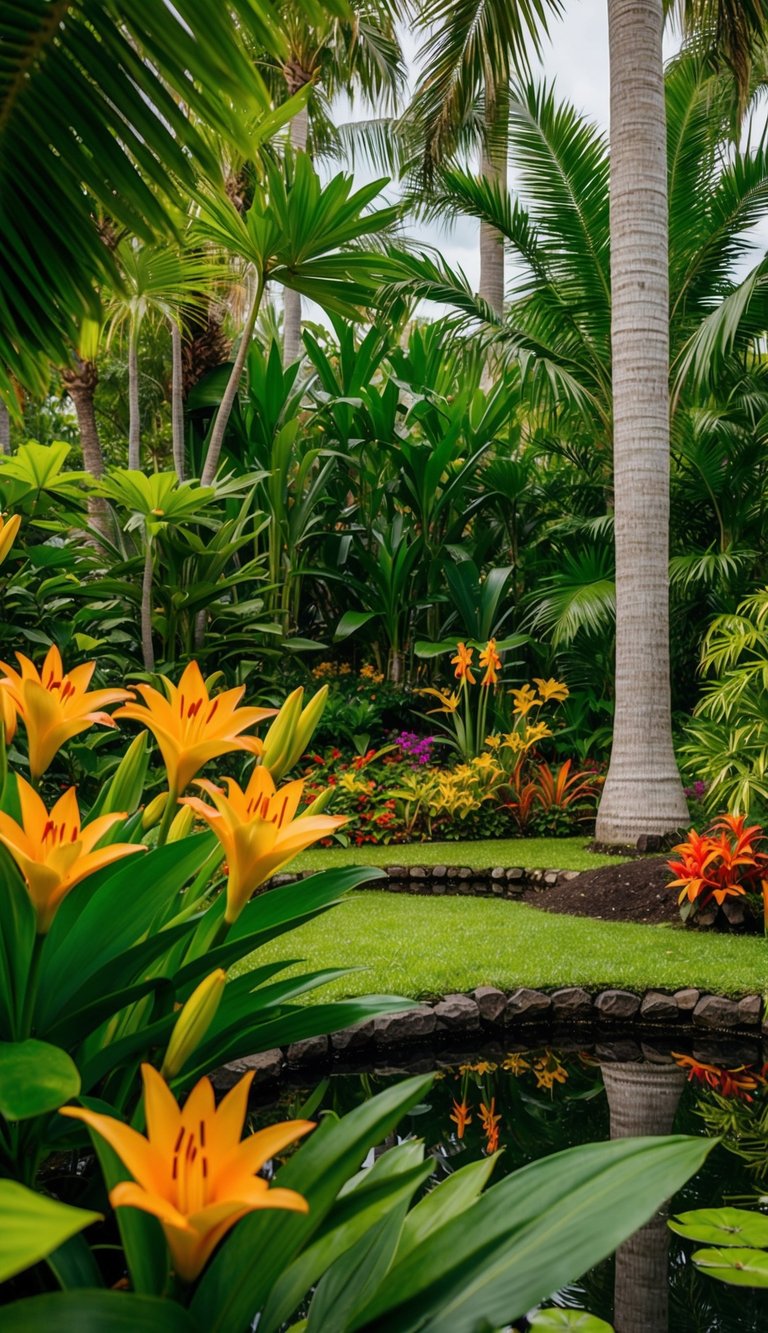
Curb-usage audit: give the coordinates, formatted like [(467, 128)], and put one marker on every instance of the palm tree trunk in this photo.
[(134, 423), (5, 429), (147, 648), (230, 393), (80, 383), (643, 792), (643, 1100), (493, 168), (292, 300), (177, 400)]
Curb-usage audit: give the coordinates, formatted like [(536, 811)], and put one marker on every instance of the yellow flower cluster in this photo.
[(330, 670), (368, 672)]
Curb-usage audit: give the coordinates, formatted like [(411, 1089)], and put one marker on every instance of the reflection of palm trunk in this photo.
[(643, 1100), (291, 299)]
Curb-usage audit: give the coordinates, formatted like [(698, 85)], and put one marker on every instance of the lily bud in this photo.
[(127, 785), (193, 1022), (154, 811), (307, 725), (181, 825), (280, 740), (8, 530), (319, 804)]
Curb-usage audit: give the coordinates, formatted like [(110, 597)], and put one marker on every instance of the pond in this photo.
[(535, 1100)]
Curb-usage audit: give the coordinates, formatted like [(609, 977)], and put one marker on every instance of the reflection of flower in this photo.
[(737, 1081), (480, 1067), (461, 1116), (490, 1122), (549, 1071), (516, 1064), (463, 663), (490, 660)]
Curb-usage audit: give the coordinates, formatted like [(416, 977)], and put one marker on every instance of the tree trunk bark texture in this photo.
[(134, 416), (493, 168), (80, 383), (643, 1100), (177, 400), (292, 300), (5, 429), (643, 792), (147, 647)]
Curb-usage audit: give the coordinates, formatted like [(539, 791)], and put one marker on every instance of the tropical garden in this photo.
[(326, 571)]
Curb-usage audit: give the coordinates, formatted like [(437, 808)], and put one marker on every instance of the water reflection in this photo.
[(533, 1101)]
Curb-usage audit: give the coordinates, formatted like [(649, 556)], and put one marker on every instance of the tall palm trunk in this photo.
[(230, 393), (493, 168), (643, 792), (291, 299), (147, 647), (80, 382), (643, 1100), (5, 429), (177, 399), (134, 423)]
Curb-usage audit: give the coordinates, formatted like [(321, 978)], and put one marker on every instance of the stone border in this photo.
[(487, 1013), (493, 881)]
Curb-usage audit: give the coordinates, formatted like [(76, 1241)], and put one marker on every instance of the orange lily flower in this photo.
[(463, 663), (55, 704), (190, 727), (53, 852), (461, 1117), (8, 529), (551, 689), (525, 699), (7, 714), (258, 831), (191, 1170), (490, 659)]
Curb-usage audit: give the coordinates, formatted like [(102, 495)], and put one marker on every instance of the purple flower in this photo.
[(416, 748)]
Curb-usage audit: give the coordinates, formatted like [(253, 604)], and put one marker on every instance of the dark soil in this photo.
[(632, 891)]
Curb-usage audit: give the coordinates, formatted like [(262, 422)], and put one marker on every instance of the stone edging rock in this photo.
[(488, 1012), (494, 881)]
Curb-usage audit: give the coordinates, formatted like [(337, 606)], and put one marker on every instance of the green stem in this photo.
[(169, 813), (30, 994)]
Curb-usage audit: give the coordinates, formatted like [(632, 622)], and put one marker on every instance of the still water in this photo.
[(533, 1101)]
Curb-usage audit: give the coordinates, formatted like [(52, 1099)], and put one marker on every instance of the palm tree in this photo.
[(643, 791), (471, 49), (328, 54)]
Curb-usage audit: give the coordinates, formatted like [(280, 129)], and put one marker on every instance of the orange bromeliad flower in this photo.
[(739, 1081), (54, 704), (53, 852), (258, 831), (463, 663), (192, 1171), (190, 727), (490, 660), (721, 863), (490, 1121), (461, 1116)]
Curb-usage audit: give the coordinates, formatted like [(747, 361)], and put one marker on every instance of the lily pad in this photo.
[(547, 1321), (739, 1268), (723, 1226)]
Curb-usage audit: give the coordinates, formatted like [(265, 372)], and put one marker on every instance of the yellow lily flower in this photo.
[(449, 701), (53, 852), (55, 704), (190, 727), (7, 713), (551, 689), (257, 830), (525, 699), (192, 1171), (8, 529)]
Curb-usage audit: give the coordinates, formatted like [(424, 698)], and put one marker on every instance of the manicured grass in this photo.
[(530, 853), (423, 946)]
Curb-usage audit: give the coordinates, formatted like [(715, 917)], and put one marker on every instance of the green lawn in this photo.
[(425, 946), (530, 853)]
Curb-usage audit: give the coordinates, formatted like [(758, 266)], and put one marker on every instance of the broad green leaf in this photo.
[(531, 1234), (739, 1268), (145, 1247), (354, 1277), (352, 621), (551, 1320), (444, 1202), (35, 1077), (234, 1288), (723, 1226), (96, 1312), (17, 939), (33, 1226)]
